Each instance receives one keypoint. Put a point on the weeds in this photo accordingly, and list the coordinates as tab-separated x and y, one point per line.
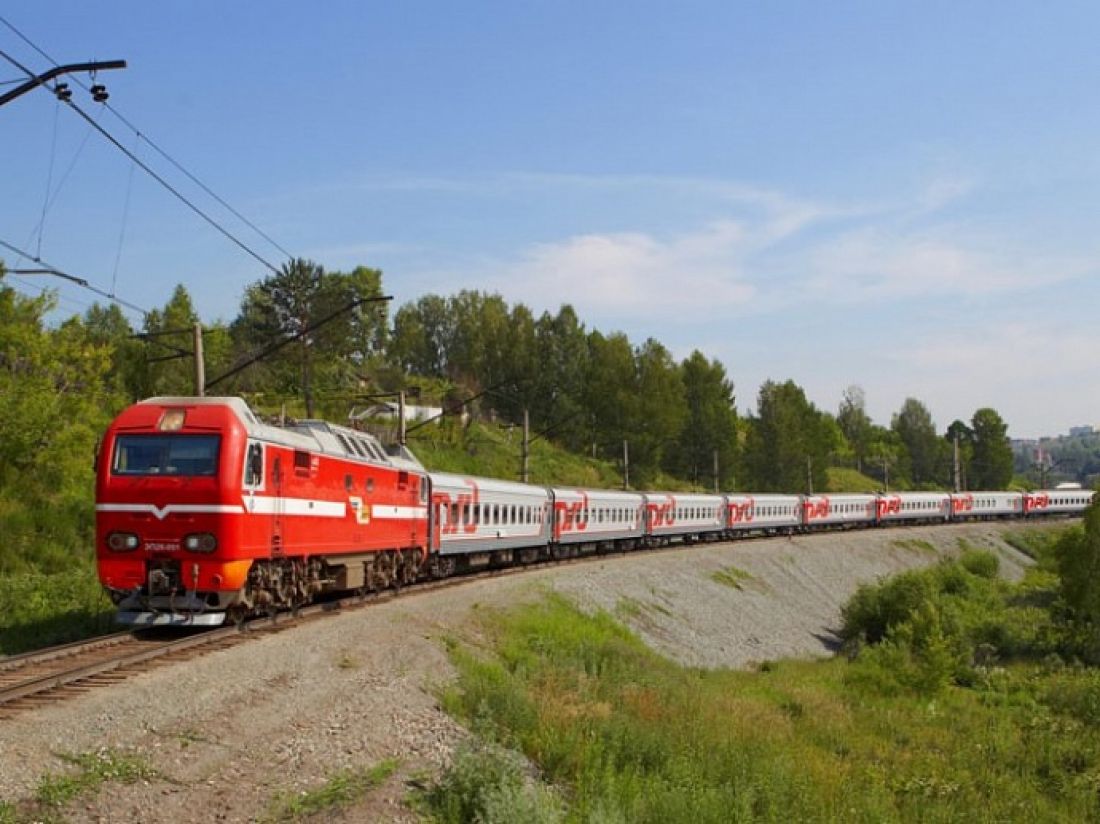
732	577
916	545
342	790
93	770
632	609
490	784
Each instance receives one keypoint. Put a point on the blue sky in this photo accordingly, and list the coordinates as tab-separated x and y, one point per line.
902	196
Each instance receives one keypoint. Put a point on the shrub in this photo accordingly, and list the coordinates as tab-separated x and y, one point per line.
876	608
980	562
490	784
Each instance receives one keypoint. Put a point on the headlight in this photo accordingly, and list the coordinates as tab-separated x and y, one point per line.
122	541
200	542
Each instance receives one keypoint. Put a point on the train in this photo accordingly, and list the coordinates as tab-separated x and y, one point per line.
206	514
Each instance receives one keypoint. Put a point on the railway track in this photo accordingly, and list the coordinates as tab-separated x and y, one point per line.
35	679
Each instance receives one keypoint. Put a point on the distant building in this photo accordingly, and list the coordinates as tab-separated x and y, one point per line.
1081	431
390	409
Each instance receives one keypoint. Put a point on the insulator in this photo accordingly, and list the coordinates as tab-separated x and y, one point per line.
63	92
99	93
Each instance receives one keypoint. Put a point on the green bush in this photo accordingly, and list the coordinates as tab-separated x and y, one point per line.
1076	694
489	784
42	610
876	608
980	562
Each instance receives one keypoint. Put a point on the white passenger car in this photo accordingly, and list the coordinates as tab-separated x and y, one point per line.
914	506
473	515
984	505
596	516
686	515
1057	501
762	513
838	510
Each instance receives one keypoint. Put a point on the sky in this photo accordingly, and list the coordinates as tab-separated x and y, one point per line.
901	196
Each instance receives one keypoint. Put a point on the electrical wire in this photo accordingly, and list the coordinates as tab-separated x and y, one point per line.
155	147
79	281
182	198
49	179
122	228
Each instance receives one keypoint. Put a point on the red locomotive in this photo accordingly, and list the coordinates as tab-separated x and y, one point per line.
204	511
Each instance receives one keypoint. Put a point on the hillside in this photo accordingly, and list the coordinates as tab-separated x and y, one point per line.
495	451
300	711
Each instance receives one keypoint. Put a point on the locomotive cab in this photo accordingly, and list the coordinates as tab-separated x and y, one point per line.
168	481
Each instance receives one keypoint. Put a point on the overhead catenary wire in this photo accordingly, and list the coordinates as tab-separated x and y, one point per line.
144	137
149	171
179	195
122	228
48	269
253	358
49	178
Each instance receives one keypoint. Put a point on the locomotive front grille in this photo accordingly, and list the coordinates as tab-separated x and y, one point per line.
163	577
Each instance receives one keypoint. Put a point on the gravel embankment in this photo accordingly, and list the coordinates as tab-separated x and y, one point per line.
229	731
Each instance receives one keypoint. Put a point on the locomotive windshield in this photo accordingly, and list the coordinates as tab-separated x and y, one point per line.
188	455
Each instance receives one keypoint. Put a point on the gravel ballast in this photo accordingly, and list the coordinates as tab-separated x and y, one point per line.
230	731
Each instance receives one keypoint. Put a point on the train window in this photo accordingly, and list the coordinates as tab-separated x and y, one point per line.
402	479
349	483
185	455
254	465
370	484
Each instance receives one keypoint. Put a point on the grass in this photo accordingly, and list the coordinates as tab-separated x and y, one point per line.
41	610
341	791
916	545
93	770
631	608
614	732
841	479
732	576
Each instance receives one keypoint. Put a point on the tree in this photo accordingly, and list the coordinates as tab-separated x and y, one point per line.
855	423
108	327
168	369
925	451
786	441
610	399
423	332
293	303
561	344
659	409
56	397
958	432
710	424
991	465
